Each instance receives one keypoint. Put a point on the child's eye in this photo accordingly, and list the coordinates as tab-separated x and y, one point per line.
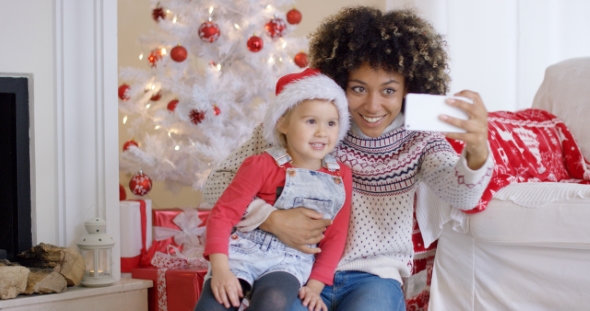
332	123
311	121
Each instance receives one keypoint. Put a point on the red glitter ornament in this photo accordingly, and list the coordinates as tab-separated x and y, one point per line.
155	56
178	53
156	97
140	184
209	32
255	44
275	27
196	116
293	17
158	13
129	143
123	91
216	110
300	60
172	105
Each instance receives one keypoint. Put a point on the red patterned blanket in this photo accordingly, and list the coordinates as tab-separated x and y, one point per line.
530	145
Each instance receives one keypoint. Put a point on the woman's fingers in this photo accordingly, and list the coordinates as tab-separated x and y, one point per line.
297	228
476	127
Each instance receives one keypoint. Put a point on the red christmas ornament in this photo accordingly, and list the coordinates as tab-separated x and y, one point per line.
275	27
216	110
140	184
178	53
156	97
122	91
129	143
255	44
196	116
122	193
300	60
172	105
155	56
158	13
209	32
293	17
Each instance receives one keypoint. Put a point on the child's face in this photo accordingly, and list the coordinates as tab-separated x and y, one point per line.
311	129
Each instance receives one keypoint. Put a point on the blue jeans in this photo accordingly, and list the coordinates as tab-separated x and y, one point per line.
354	290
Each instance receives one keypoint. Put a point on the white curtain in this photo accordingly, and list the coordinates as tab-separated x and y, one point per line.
500	48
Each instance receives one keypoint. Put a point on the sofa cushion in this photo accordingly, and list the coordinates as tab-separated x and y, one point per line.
536	213
565	92
530	145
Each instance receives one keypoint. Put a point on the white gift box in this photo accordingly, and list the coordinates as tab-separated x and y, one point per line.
136	231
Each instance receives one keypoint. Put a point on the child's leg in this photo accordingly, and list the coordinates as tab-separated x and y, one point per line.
207	301
274	291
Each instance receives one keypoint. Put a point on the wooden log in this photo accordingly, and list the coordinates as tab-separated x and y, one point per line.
13	281
45	281
64	260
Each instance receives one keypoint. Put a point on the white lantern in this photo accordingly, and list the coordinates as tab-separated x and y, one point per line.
97	248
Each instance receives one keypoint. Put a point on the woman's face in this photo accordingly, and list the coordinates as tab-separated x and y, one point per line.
374	98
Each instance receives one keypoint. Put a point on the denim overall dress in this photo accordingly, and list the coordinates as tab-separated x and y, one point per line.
256	253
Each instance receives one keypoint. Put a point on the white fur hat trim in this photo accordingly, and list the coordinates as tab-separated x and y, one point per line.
316	86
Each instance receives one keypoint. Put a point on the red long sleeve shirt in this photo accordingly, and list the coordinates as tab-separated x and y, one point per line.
259	176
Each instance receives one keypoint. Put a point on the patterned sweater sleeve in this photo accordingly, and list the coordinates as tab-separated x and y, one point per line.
221	177
449	176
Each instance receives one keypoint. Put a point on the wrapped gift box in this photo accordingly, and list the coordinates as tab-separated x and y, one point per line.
179	227
136	232
174	289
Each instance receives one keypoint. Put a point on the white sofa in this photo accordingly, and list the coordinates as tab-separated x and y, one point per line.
530	249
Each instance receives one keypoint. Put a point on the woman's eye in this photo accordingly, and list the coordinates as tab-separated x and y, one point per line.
358	89
388	91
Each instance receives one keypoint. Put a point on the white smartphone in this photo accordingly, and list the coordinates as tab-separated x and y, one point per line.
422	112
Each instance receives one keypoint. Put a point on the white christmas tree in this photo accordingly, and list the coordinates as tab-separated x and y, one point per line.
211	69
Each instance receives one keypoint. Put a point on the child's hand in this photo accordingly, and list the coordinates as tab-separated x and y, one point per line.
310	296
224	284
226	289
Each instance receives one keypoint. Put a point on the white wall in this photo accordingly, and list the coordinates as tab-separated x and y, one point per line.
69	49
26	33
501	48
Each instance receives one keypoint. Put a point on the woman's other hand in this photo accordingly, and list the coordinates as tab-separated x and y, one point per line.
297	227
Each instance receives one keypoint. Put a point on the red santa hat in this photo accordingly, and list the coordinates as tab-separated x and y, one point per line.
294	88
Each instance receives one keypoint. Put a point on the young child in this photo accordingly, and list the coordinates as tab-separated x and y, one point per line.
305	122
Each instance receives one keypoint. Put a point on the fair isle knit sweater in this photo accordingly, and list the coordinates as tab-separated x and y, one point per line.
386	171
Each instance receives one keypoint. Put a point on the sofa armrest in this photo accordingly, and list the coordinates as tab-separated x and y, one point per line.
543	214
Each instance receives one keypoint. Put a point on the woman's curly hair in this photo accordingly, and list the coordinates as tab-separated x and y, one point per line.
397	40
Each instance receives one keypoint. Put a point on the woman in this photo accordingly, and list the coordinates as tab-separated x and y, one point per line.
377	58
